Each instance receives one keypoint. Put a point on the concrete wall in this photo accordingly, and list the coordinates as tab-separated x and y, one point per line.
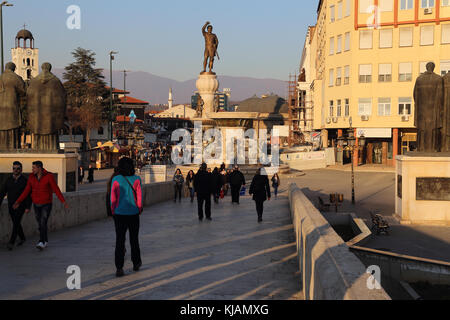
304	160
84	207
329	270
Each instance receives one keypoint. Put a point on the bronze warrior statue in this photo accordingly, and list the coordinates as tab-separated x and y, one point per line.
446	117
46	103
428	116
12	88
211	45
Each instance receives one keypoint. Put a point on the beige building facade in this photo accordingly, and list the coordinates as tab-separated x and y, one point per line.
367	56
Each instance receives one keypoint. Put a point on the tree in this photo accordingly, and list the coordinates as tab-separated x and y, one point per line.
87	95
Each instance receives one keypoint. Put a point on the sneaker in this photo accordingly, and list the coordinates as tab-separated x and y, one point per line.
10	246
40	246
120	273
45	245
137	267
21	242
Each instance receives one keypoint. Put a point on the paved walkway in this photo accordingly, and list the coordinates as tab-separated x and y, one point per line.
231	257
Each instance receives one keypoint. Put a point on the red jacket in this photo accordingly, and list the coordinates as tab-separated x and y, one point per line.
41	190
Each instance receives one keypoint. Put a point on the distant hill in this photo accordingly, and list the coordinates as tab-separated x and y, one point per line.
155	89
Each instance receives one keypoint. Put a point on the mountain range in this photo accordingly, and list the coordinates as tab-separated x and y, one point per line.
155	89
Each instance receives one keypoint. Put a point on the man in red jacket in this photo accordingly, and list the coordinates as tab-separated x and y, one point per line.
41	184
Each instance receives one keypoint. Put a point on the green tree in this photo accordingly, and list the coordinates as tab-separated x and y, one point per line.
87	96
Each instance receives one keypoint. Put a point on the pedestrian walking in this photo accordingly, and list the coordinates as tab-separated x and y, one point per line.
275	184
126	207
237	180
223	181
108	192
13	187
203	189
80	174
91	174
260	190
190	184
216	184
41	184
179	181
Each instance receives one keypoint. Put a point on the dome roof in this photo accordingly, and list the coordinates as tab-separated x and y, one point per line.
271	104
24	34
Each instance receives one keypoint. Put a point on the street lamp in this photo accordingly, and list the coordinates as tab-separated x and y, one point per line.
350	143
6	4
111	58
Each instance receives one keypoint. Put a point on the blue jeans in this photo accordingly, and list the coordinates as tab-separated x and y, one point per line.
42	213
275	190
192	193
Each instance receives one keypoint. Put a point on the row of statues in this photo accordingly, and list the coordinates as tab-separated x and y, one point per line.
45	109
432	111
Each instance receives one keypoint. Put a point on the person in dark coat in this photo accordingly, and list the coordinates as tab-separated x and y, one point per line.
275	184
179	181
260	190
203	186
217	184
13	188
190	184
91	174
237	180
80	174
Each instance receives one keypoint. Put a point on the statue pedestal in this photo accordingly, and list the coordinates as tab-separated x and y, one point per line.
423	189
207	85
64	166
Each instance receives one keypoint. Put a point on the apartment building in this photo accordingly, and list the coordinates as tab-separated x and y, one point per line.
368	55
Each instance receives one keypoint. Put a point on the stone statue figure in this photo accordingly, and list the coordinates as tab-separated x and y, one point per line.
211	45
199	108
12	88
428	97
46	105
446	118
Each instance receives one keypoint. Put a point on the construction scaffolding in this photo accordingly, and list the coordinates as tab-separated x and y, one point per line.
295	132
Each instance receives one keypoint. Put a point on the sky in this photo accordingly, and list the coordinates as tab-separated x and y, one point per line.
257	38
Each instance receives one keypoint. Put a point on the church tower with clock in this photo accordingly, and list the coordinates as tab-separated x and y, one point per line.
25	56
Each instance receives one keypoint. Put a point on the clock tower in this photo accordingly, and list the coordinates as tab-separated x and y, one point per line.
25	56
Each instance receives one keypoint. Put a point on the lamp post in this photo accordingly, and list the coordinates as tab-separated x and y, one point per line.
111	58
350	142
6	4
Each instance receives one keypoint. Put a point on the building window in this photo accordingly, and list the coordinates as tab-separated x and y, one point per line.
332	14
365	39
404	106
405	71
332	46
426	35
384	106
331	82
423	66
445	3
348	7
347	108
365	6
445	33
385	72
339	108
347	42
445	67
386	38
406	4
346	74
427	4
331	108
406	37
365	73
338	76
339	44
339	10
100	131
386	5
365	107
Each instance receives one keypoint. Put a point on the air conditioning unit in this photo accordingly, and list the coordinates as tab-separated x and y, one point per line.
405	118
428	11
328	120
365	118
335	119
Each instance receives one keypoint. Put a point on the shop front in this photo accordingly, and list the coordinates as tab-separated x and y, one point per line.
380	146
